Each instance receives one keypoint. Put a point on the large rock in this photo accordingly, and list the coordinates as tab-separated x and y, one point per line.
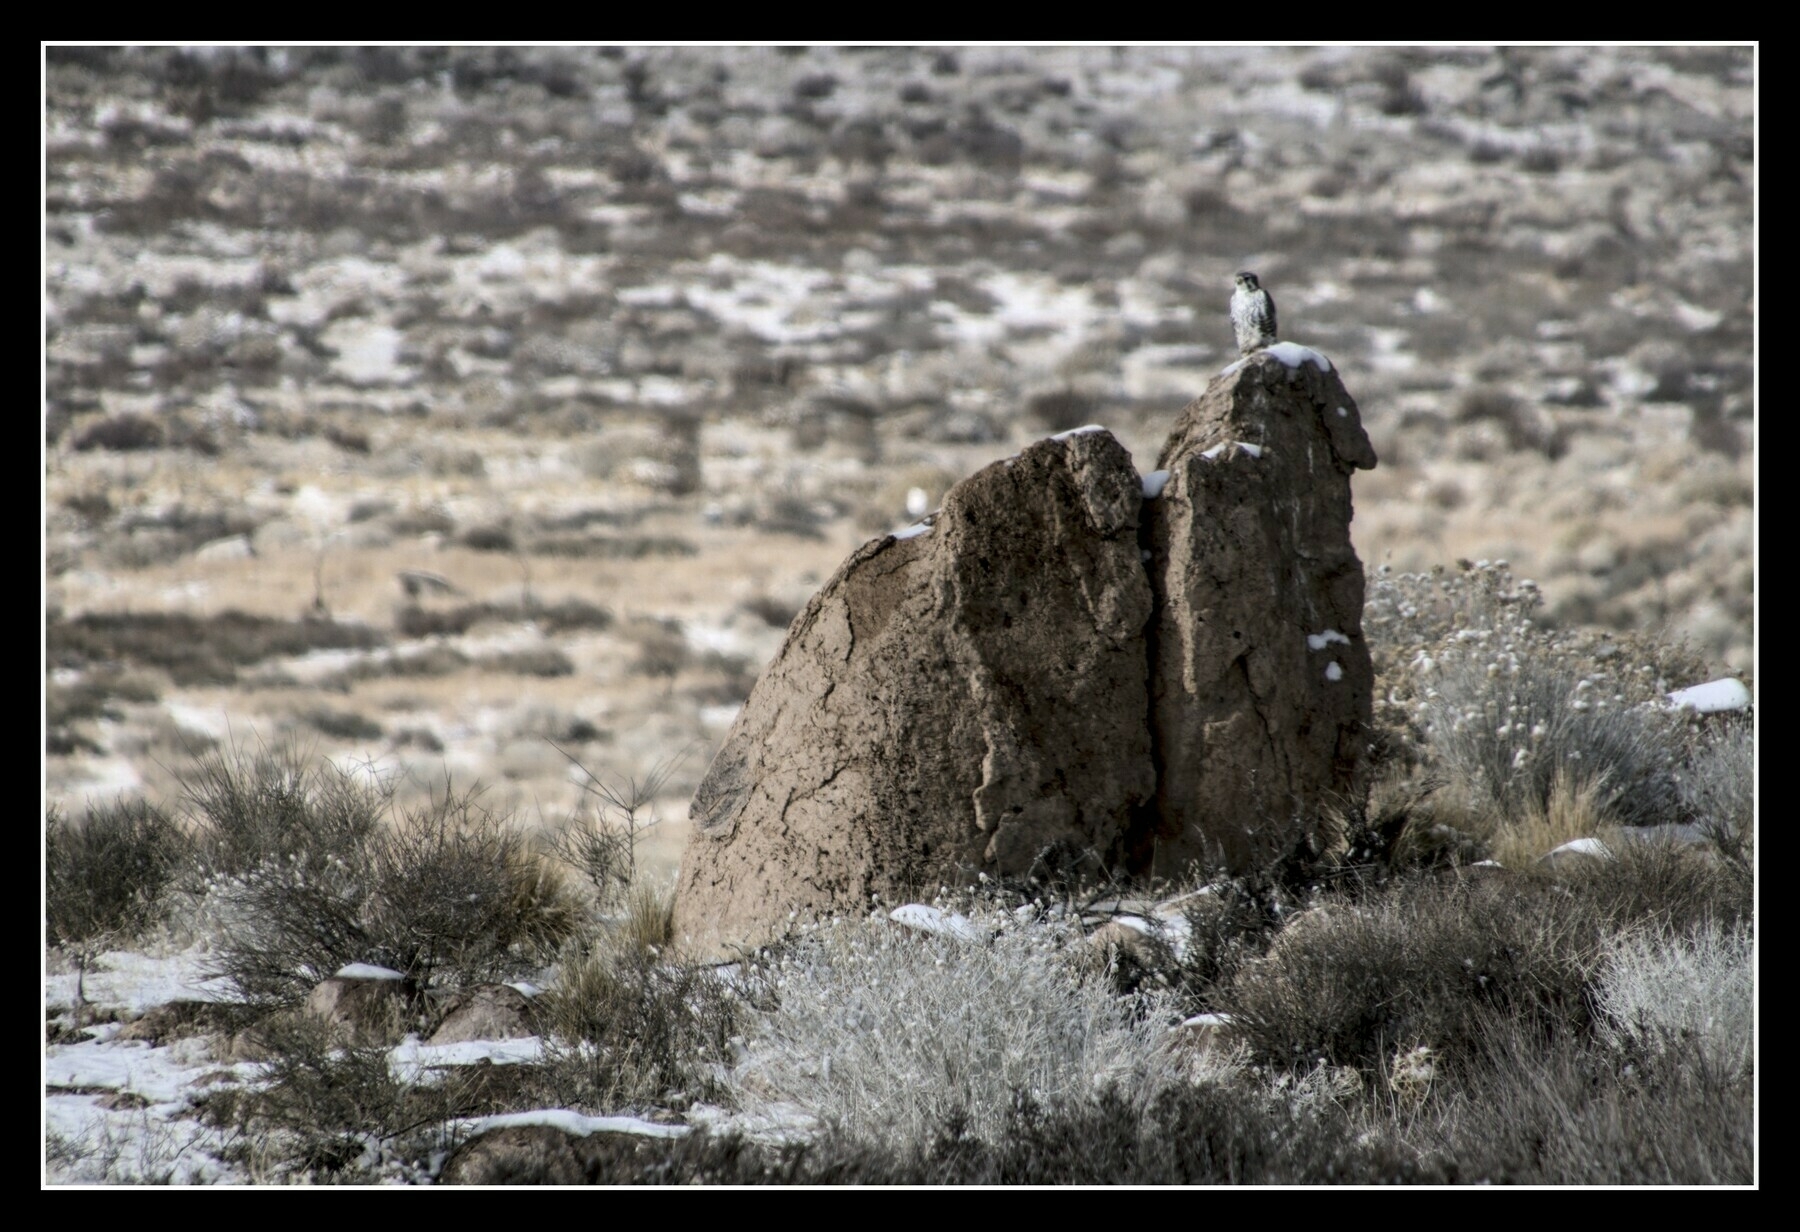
486	1012
364	1008
967	697
1261	682
1069	664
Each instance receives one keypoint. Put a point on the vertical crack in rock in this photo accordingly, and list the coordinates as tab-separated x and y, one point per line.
1015	682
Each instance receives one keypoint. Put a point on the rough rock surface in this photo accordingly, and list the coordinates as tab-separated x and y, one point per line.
1070	661
367	1011
1261	681
485	1012
968	697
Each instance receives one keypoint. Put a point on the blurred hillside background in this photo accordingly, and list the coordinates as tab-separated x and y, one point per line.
472	413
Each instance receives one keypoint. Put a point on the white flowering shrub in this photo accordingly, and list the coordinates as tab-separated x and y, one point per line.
1693	996
885	1032
1515	712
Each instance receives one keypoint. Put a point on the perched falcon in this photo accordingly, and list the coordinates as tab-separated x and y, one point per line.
1252	314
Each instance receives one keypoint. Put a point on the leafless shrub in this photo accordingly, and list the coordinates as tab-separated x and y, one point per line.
602	846
327	1110
305	872
105	877
195	649
542	661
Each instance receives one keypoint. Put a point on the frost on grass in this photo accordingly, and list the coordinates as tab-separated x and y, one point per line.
883	1032
1689	996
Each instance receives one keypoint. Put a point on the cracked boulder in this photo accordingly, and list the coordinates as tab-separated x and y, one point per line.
1261	682
970	695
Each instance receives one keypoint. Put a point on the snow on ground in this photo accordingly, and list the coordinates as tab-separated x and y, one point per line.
1713	696
89	1144
775	1124
936	920
573	1123
415	1062
133	983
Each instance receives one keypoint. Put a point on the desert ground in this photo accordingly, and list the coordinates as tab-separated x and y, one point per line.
484	416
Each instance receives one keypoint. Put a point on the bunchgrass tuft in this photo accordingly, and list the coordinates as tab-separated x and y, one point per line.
628	1026
1688	998
1719	790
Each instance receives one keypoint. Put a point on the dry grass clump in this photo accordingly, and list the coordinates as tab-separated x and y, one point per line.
1417	962
1572	811
1718	786
1423	958
1210	1134
628	1025
1526	725
1531	1110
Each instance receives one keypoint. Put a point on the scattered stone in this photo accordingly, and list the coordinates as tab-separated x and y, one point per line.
486	1012
921	918
1204	1033
1130	950
232	547
367	1009
1577	851
1713	697
174	1020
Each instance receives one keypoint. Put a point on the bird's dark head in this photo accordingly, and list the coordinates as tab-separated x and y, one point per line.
1247	280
